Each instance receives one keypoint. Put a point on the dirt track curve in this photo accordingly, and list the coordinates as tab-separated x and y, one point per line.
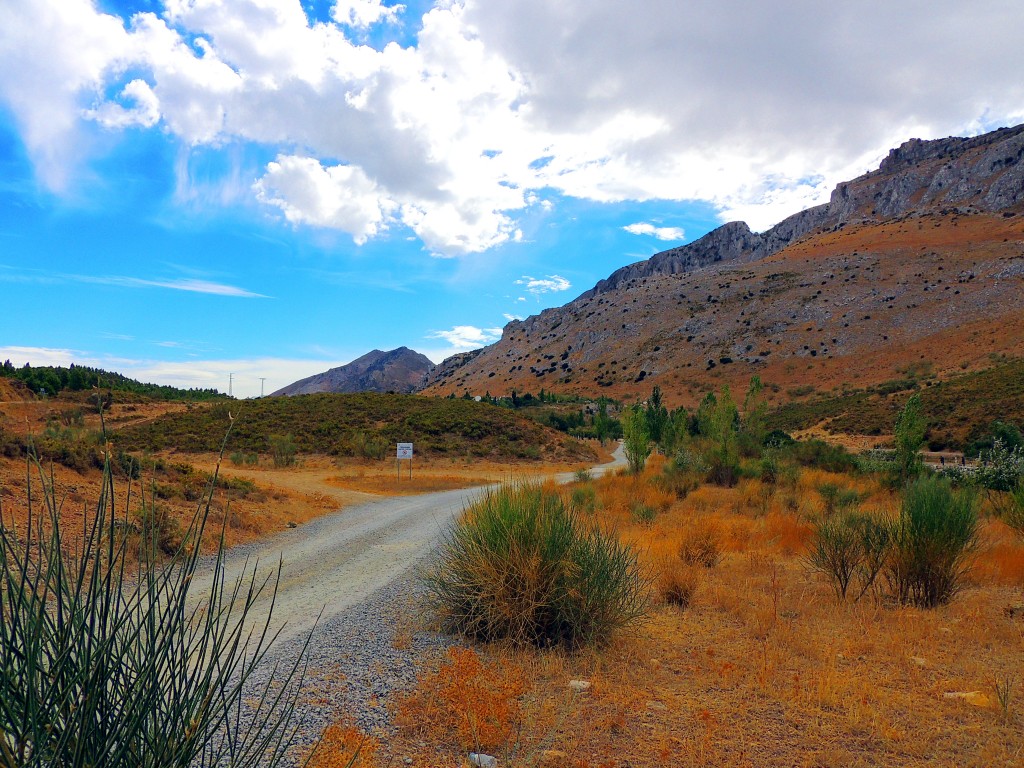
336	562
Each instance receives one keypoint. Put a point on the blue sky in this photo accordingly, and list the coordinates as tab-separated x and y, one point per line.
192	188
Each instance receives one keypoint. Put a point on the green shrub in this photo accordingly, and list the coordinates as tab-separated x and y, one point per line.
876	461
768	468
829	493
365	445
933	540
644	513
818	453
835	551
283	449
237	458
1002	467
107	664
1013	515
128	465
159	530
723	468
520	565
777	439
583	476
583	498
677	481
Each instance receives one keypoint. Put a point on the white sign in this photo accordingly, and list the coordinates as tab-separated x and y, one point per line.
405	450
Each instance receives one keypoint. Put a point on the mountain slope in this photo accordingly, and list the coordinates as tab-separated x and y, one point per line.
920	263
401	370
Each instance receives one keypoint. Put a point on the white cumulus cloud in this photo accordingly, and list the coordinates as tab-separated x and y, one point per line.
463	338
339	196
547	284
364	13
756	108
661	233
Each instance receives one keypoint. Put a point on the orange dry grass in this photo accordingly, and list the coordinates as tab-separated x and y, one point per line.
269	510
676	581
619	495
344	746
465	704
764	667
1001	560
392	485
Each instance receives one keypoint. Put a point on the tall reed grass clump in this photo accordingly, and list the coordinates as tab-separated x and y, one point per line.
932	542
108	661
521	565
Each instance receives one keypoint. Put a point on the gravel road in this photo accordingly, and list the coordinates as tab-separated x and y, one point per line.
356	571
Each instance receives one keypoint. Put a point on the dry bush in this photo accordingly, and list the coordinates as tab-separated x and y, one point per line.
676	582
465	703
701	544
344	746
787	533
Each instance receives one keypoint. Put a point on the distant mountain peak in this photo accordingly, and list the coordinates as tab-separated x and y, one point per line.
398	370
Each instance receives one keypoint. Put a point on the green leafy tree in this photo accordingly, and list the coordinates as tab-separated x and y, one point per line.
656	415
755	413
722	432
705	413
637	442
675	431
909	437
602	422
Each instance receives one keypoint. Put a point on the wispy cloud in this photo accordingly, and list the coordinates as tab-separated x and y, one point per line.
465	337
662	233
510	317
191	285
546	284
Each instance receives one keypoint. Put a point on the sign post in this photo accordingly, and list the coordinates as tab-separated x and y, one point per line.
404	453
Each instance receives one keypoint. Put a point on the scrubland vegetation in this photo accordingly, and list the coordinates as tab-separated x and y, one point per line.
806	607
363	425
958	411
733	598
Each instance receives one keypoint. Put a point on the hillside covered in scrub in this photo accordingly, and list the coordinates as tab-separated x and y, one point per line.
959	411
366	424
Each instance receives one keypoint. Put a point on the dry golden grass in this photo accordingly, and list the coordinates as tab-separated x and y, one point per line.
763	666
465	704
344	746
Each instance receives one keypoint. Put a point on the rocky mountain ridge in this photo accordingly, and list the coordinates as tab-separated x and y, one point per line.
399	370
922	252
981	173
